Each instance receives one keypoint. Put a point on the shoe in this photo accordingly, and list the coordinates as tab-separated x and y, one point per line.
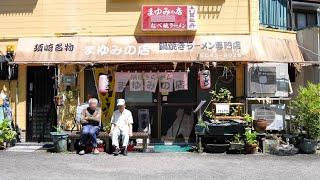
125	151
82	152
116	152
96	151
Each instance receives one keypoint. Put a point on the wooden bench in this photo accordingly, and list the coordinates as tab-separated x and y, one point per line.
74	136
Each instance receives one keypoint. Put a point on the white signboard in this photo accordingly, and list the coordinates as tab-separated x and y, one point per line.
180	81
166	82
222	109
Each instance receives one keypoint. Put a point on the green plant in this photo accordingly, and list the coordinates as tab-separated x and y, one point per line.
58	129
251	137
209	114
237	139
221	96
307	109
247	118
6	133
201	123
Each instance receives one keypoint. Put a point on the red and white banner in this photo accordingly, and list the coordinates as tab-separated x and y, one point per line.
169	18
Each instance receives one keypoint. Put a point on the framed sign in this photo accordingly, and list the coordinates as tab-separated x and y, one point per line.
222	109
168	18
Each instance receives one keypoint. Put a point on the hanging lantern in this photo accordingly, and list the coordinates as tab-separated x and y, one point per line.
103	84
205	79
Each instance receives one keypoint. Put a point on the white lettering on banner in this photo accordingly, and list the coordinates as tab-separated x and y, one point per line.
89	50
102	50
136	82
180	81
115	50
166	82
121	80
150	81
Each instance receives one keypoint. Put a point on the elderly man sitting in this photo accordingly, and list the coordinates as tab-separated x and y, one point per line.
91	118
121	124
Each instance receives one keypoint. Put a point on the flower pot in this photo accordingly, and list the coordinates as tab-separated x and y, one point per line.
308	146
260	125
251	148
59	141
200	130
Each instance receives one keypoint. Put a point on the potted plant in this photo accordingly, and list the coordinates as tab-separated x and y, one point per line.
248	119
237	143
307	109
59	139
251	140
200	128
7	135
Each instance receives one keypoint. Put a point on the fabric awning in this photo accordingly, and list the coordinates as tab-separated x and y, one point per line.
119	49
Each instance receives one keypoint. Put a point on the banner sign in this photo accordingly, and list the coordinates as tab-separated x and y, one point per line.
180	81
165	82
117	49
169	18
121	79
150	81
136	82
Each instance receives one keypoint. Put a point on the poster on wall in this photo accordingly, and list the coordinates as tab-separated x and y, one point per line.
180	81
150	81
136	82
121	79
166	82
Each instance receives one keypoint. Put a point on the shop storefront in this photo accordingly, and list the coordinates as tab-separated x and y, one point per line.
158	76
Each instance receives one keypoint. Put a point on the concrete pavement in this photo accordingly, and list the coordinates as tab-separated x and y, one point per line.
44	165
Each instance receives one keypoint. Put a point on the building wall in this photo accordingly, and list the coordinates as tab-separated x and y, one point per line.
111	17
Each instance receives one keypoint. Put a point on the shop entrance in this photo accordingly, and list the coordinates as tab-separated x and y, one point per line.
41	113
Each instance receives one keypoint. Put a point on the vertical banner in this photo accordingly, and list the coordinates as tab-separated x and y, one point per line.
180	81
166	82
136	82
107	100
205	79
121	79
150	81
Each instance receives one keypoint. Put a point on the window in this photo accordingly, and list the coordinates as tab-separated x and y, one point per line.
305	19
274	14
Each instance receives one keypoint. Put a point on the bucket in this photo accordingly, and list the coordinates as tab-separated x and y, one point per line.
59	141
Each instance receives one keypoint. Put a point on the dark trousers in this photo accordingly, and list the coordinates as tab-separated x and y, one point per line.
89	132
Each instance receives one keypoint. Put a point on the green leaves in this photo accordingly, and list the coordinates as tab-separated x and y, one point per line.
222	96
251	137
6	133
307	109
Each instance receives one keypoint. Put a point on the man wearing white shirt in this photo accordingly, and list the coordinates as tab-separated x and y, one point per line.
121	124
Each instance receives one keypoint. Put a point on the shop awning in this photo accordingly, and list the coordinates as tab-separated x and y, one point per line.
118	49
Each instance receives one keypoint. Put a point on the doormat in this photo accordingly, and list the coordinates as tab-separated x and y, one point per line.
25	147
172	148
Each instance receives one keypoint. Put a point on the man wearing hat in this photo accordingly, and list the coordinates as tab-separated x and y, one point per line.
121	124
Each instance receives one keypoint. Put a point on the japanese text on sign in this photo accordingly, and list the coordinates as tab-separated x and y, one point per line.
50	47
169	17
116	50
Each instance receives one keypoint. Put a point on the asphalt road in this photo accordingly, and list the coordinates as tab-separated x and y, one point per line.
43	165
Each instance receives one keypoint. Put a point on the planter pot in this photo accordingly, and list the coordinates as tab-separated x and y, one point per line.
59	141
236	146
200	130
251	148
260	125
308	146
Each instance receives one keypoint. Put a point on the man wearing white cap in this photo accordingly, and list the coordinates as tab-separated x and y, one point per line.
121	124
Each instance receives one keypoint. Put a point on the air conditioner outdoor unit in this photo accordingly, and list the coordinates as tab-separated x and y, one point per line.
267	80
273	113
